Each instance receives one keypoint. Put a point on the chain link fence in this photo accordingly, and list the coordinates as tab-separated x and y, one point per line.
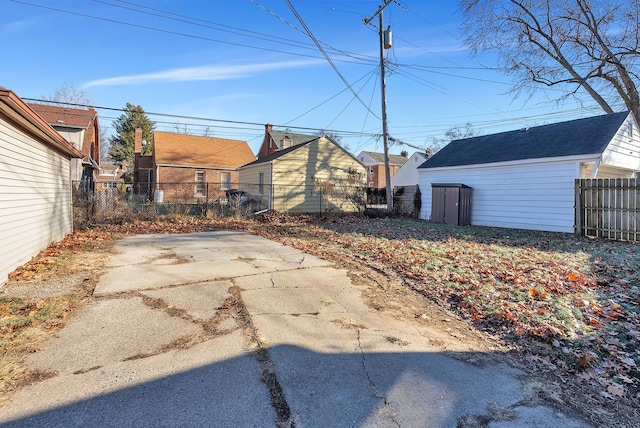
117	202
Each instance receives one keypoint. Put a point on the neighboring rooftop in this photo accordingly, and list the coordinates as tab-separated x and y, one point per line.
294	138
393	159
572	138
192	150
65	116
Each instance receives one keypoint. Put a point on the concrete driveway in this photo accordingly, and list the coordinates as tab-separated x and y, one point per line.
226	329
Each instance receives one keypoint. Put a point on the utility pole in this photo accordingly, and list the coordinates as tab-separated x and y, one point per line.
383	90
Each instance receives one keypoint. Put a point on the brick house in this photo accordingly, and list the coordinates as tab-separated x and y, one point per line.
274	141
188	166
374	162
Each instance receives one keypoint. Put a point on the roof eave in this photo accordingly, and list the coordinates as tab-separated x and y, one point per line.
27	116
555	159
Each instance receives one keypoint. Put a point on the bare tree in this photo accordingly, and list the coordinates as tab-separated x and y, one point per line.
593	45
334	136
104	145
455	133
207	131
181	128
70	95
184	128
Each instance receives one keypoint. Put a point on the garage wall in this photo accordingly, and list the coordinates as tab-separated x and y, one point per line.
35	197
535	196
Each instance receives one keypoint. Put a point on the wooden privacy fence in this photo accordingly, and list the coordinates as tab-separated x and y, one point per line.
608	208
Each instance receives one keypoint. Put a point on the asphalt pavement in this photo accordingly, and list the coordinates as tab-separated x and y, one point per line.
227	329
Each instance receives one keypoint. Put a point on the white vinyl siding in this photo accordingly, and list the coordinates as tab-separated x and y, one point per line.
624	149
35	197
407	175
536	196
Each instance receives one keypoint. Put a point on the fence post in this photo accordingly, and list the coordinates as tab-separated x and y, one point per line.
206	199
578	208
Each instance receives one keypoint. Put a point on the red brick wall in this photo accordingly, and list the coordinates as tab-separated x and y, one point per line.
180	182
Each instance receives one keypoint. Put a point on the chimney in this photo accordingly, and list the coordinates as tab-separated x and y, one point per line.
124	165
404	154
137	148
268	127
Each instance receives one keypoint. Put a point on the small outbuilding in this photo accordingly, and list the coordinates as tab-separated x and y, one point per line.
525	179
35	196
316	176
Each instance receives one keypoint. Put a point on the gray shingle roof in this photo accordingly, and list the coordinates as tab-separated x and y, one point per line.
393	159
575	137
295	138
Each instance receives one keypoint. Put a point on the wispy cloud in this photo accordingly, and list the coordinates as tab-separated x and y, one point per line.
210	72
18	27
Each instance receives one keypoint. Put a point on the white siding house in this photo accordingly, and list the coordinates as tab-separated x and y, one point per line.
407	175
525	179
35	183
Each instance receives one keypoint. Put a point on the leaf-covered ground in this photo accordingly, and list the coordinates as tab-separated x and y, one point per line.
566	306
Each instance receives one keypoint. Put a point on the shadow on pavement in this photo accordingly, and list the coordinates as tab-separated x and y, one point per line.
322	390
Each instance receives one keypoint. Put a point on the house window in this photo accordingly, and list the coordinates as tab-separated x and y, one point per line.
199	188
225	180
261	183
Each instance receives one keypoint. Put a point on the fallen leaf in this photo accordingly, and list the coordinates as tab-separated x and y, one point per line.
615	390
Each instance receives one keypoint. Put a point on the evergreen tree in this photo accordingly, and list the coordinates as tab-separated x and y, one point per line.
122	143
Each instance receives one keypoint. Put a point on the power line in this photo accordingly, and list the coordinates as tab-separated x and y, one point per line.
208	24
159	30
186	117
310	34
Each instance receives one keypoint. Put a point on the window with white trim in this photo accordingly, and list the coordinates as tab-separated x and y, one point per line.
199	180
225	180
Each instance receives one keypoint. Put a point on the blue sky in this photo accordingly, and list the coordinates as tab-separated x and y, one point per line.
244	63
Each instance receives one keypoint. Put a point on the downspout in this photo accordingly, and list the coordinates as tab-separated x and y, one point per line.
270	184
596	165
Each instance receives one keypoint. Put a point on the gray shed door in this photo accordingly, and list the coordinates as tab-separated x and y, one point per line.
451	205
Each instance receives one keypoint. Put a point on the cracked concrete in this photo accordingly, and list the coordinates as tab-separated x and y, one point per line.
229	329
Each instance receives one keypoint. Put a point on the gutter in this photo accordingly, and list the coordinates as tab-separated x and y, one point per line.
575	158
169	165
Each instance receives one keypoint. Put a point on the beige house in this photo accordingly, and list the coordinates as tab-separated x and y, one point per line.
35	196
316	176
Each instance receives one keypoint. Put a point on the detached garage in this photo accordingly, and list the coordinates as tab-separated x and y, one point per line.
35	183
525	179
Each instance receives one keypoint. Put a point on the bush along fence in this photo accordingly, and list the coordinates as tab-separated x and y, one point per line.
116	202
608	208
